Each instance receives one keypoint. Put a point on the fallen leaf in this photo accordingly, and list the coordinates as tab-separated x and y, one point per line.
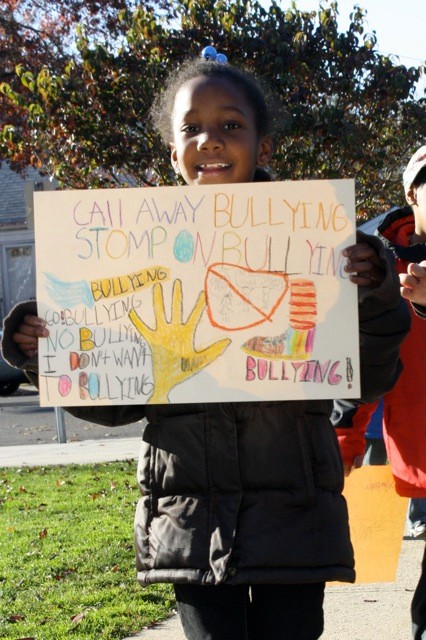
78	618
65	573
16	618
43	533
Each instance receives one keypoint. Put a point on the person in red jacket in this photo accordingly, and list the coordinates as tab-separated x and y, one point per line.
413	288
403	231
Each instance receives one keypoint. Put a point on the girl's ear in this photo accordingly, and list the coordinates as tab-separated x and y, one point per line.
410	196
173	157
265	150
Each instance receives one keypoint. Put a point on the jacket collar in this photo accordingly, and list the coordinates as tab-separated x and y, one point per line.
395	231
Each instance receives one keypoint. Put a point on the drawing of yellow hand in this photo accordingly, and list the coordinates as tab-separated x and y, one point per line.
174	357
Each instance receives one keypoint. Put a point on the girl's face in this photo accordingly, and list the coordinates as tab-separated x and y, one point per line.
215	137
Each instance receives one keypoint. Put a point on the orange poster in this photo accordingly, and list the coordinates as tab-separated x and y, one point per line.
377	518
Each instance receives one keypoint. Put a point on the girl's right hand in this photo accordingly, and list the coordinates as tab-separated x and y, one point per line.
28	334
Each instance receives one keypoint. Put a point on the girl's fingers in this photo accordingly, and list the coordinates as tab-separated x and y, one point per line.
365	274
28	334
32	326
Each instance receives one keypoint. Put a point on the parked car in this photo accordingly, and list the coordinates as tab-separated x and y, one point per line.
10	378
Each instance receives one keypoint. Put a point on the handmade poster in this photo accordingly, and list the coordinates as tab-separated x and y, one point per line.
377	520
209	293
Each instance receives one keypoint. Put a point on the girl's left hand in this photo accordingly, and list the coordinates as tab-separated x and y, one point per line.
364	265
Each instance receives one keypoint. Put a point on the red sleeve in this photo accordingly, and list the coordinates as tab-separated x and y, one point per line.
352	438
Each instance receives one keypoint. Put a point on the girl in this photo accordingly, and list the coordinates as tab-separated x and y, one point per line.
241	505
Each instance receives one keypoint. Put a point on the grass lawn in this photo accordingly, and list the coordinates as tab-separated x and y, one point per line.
66	555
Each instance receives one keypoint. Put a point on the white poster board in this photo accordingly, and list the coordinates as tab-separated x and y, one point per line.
208	293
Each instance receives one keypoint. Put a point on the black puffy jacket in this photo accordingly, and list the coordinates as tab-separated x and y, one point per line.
249	492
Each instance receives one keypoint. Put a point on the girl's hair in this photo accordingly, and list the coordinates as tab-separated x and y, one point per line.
162	109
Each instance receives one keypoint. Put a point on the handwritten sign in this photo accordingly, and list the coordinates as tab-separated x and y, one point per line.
207	294
377	519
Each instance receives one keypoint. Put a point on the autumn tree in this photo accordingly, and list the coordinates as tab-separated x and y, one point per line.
41	34
344	105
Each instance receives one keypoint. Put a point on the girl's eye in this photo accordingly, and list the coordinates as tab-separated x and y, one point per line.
189	128
231	126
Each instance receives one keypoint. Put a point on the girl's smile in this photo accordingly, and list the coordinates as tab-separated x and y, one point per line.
215	137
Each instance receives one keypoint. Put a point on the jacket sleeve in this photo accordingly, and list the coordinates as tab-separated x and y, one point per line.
384	322
109	416
11	352
353	420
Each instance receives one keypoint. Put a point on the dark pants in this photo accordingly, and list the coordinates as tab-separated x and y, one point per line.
375	451
418	605
259	612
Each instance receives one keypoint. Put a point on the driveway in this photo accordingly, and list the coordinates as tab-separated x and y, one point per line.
24	422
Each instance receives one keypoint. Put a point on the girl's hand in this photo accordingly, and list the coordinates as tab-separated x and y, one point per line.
28	334
413	283
364	265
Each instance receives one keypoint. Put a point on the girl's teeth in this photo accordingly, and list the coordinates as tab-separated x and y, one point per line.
218	165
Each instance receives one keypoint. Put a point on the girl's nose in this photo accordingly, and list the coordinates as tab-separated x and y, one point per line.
210	139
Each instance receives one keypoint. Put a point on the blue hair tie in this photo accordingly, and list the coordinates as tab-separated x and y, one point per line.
210	54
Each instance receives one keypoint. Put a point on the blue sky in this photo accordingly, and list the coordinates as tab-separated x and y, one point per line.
400	25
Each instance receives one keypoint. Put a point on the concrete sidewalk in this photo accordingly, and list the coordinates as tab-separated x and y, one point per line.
80	452
379	611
